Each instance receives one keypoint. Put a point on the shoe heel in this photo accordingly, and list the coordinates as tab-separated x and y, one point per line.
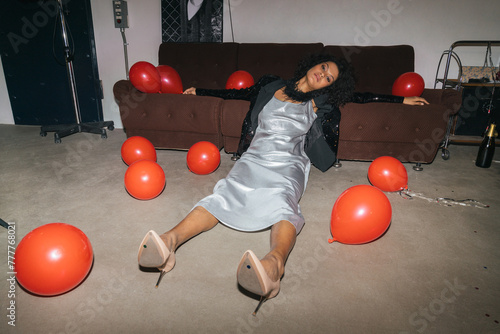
162	273
262	300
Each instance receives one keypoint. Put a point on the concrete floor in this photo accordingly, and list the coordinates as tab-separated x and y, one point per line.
436	270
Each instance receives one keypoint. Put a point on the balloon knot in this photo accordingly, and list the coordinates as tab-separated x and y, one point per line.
331	240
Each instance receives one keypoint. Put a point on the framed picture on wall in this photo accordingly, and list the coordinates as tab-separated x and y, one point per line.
192	20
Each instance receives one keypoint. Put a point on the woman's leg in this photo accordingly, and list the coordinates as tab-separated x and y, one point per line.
197	221
283	236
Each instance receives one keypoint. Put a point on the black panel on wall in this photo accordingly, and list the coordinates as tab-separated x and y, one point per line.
33	59
478	110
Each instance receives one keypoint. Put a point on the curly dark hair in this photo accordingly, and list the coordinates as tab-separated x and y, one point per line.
339	93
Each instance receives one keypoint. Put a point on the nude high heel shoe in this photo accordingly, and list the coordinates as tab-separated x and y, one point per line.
153	253
252	276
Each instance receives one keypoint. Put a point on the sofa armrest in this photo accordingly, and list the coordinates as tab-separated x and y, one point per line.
122	87
450	98
173	121
408	133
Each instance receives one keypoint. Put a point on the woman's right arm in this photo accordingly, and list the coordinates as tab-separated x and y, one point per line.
371	97
233	94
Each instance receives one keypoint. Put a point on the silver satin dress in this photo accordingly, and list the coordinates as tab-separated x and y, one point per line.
266	183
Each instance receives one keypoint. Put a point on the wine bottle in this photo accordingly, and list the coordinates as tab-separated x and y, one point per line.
487	148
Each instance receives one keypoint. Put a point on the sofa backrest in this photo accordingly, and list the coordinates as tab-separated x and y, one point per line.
204	65
260	59
209	65
376	67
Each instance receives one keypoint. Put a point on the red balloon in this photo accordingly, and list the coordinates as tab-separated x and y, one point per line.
388	174
137	148
361	214
145	77
408	84
203	158
144	179
170	80
239	80
53	259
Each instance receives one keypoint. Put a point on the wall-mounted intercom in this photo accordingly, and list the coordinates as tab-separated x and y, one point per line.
120	13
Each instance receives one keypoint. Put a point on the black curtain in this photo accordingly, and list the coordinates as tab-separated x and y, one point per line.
33	59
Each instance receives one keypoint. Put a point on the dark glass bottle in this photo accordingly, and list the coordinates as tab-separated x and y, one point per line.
487	148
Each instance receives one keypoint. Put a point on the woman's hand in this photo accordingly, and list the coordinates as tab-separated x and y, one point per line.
415	101
190	91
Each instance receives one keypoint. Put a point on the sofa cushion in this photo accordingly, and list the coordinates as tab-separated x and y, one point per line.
206	65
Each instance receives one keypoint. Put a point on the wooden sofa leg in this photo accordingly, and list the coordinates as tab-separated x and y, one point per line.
337	164
418	167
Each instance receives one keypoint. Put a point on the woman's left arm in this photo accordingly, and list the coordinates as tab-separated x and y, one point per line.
371	97
415	101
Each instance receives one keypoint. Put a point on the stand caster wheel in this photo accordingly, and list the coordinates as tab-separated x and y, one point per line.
57	140
445	154
111	128
104	136
43	134
337	164
418	167
235	157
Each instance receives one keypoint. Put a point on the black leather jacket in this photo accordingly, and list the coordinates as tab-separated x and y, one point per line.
322	139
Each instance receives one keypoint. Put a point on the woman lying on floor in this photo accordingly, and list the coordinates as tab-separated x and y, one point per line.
291	124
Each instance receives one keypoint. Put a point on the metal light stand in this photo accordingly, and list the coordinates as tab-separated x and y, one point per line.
63	130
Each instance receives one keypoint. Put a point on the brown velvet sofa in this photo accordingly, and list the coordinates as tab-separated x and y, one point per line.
367	131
